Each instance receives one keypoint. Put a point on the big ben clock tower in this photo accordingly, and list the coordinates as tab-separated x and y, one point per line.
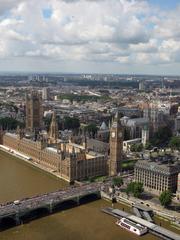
116	146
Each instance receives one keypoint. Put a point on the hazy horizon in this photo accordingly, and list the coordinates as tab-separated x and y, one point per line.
83	36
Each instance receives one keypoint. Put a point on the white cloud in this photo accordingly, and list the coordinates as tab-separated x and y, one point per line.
117	31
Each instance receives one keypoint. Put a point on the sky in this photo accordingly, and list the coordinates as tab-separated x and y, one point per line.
90	36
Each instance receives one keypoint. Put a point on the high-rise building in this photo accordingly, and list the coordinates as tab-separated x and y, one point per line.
33	111
141	85
155	116
45	93
116	146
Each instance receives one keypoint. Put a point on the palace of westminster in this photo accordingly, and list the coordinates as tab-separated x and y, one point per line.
79	161
71	160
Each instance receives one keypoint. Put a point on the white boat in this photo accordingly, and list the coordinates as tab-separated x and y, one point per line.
132	226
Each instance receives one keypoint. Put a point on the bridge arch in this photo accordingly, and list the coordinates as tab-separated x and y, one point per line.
89	198
7	222
34	214
66	204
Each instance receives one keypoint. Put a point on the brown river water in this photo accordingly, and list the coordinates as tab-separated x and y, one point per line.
85	222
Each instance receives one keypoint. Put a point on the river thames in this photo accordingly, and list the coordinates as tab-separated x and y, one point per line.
86	222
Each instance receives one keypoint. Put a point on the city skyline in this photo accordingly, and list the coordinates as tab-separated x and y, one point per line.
82	36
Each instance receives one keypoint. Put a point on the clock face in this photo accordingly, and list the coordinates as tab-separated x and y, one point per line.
120	134
113	134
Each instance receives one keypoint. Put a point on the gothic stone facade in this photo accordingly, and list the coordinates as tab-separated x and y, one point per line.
33	111
157	177
70	160
116	147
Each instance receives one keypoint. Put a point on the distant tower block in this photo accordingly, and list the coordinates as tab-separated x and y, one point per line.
53	131
141	85
45	93
33	111
116	146
145	135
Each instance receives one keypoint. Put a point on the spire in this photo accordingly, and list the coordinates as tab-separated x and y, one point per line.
85	141
109	124
19	132
53	131
116	121
54	116
73	154
103	126
116	118
17	129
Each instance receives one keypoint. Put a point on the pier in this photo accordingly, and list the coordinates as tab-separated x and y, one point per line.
142	211
152	228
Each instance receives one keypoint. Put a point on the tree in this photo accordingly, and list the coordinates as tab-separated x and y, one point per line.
165	198
91	129
148	146
117	181
8	123
71	123
136	188
137	147
175	143
162	136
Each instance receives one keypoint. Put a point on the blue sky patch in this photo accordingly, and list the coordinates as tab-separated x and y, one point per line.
47	13
165	4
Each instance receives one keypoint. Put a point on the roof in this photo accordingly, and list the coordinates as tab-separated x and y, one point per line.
52	149
136	122
141	221
76	145
103	126
161	168
133	140
142	207
97	146
11	135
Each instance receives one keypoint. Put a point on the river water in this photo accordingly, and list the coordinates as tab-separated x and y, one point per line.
85	222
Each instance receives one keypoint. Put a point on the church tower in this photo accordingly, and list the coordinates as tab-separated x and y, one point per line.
53	131
116	146
34	112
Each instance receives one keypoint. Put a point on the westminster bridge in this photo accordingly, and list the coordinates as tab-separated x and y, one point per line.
27	209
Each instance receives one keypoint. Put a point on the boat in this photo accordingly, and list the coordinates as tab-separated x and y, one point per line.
132	226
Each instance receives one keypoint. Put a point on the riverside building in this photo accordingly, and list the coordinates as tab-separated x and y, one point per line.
157	176
70	160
